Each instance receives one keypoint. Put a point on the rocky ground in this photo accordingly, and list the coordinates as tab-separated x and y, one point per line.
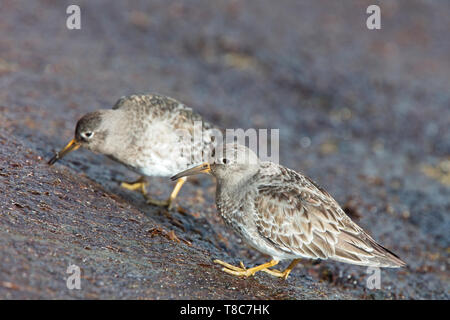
364	113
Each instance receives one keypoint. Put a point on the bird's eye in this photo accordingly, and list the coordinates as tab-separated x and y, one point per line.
224	161
88	134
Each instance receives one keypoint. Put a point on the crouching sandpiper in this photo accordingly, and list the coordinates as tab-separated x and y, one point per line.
144	133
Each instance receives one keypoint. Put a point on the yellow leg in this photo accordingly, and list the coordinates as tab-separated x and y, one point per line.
175	190
168	203
283	274
242	271
139	184
229	266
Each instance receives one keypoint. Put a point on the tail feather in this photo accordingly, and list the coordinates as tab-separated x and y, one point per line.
386	256
361	249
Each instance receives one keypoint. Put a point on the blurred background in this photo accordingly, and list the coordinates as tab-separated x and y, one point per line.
365	113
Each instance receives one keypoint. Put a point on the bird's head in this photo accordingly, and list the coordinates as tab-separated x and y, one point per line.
230	162
90	133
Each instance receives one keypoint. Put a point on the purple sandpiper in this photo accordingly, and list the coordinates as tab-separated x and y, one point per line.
143	133
285	215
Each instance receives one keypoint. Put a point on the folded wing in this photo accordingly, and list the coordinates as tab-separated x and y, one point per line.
300	218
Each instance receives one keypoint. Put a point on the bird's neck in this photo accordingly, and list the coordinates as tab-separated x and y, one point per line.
114	124
229	187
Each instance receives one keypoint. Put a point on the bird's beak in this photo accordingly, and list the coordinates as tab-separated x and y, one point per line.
71	146
205	168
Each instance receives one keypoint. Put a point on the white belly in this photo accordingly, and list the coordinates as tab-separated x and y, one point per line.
163	152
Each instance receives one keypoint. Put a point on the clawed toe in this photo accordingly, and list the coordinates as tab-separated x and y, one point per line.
242	271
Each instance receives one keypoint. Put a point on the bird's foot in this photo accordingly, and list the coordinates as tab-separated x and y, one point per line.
237	271
231	267
169	202
282	274
242	271
277	273
160	203
140	185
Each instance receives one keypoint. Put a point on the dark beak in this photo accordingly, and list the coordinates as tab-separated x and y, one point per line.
71	146
205	168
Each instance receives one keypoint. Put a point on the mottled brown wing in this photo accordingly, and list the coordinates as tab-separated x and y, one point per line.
303	220
295	222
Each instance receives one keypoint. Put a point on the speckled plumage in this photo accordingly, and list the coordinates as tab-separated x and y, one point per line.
144	132
286	215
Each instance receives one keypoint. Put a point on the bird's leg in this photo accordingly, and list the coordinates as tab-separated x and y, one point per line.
283	274
175	191
168	203
139	184
242	271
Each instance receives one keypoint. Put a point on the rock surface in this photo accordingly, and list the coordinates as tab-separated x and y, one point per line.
364	113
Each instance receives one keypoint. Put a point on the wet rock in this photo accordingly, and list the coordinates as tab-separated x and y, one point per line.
364	113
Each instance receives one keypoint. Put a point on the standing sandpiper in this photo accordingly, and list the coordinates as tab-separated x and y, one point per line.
144	132
285	215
